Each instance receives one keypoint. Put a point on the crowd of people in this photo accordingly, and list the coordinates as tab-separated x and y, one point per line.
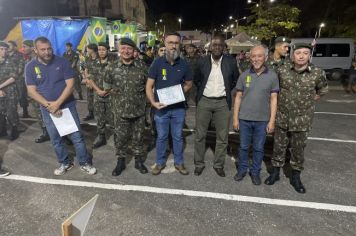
259	92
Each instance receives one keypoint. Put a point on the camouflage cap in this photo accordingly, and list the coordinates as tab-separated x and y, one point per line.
102	44
282	39
301	45
128	41
4	44
28	43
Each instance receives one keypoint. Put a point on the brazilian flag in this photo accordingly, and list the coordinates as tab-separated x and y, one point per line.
97	30
151	38
115	27
128	31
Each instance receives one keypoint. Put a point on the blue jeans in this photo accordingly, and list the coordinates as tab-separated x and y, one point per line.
172	120
58	144
252	132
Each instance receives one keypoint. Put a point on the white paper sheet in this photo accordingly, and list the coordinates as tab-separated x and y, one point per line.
171	95
65	124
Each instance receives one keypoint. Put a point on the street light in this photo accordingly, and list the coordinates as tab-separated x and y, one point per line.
237	22
321	26
180	23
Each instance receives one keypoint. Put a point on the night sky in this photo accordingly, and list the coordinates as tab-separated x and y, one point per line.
195	13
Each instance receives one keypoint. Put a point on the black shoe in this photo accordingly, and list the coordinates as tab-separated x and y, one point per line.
44	136
274	176
256	180
239	176
4	173
220	172
25	113
14	133
198	170
140	166
296	182
99	141
3	133
90	116
120	167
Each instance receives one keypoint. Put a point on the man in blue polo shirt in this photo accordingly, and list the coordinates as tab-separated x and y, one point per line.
165	72
50	82
255	111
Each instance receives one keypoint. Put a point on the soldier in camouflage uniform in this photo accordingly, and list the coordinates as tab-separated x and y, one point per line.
17	58
279	57
28	55
8	93
300	85
102	103
73	57
245	64
192	59
126	79
90	61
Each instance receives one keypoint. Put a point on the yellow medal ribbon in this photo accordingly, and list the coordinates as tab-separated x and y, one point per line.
164	74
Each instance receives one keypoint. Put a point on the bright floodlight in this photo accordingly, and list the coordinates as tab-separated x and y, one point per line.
249	1
180	20
322	25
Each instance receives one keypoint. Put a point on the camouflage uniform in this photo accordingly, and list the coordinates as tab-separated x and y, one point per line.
273	64
244	65
17	59
73	57
191	94
295	111
8	103
127	84
102	105
89	65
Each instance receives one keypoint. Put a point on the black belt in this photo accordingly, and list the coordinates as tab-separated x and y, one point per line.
216	98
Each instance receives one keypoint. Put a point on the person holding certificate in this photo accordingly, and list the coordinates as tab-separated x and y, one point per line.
50	82
215	77
169	78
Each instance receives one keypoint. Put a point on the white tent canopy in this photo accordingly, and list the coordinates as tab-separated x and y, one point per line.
241	42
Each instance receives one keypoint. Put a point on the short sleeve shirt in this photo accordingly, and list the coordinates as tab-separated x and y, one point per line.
256	89
166	75
50	79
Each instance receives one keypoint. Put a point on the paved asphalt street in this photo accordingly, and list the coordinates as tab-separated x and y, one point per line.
172	204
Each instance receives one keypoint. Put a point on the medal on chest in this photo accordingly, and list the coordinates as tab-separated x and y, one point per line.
248	81
164	74
38	72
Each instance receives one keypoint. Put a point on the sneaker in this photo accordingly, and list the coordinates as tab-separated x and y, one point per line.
89	169
63	168
4	173
157	169
181	169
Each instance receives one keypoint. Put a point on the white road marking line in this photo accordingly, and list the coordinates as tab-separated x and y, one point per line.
335	113
332	140
190	193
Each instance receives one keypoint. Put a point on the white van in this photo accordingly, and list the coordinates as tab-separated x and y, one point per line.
334	55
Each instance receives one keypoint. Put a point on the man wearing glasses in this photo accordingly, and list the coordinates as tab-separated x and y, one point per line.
215	77
168	71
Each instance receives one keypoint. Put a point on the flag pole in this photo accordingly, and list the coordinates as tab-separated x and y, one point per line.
313	45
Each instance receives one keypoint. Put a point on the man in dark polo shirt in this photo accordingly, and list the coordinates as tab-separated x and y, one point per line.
255	111
50	82
168	71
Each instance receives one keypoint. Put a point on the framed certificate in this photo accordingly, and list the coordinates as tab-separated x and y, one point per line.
171	95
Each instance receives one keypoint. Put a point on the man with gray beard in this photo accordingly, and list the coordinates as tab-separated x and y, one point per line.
167	71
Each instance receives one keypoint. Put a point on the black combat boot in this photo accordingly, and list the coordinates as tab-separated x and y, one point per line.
274	176
43	137
120	167
296	182
90	116
99	141
25	113
14	133
140	166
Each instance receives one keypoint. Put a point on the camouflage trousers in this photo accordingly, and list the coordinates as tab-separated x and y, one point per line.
8	110
127	129
78	84
103	113
37	110
90	99
297	142
22	92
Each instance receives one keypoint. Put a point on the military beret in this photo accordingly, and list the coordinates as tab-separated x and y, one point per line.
282	39
302	45
128	41
28	43
69	44
4	44
102	44
14	44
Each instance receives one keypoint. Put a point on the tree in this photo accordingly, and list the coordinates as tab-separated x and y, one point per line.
267	23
